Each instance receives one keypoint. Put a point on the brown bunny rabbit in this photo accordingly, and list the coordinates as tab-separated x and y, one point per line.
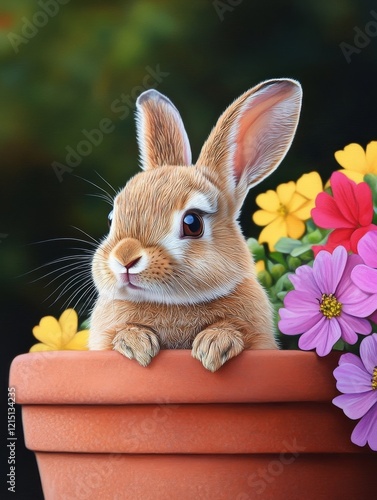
174	270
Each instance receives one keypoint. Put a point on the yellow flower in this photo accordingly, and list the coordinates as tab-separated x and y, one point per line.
284	210
59	335
358	162
260	266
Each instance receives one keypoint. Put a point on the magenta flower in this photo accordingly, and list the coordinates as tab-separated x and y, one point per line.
349	212
365	275
326	305
357	379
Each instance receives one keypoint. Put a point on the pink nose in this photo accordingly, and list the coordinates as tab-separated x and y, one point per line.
132	263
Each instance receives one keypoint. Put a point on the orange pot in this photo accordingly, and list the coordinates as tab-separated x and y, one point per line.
263	426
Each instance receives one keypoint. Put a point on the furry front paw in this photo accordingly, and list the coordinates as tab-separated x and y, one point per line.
137	342
214	346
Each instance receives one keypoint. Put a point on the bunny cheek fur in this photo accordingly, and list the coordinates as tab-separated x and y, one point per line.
157	286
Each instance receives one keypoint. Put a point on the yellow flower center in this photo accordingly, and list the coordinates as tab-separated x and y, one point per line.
282	210
374	379
329	306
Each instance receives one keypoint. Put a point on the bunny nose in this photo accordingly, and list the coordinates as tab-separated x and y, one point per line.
132	263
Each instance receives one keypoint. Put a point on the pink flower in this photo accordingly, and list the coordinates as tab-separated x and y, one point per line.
365	275
349	212
326	305
357	379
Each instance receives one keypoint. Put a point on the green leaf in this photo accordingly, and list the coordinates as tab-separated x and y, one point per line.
281	295
256	249
278	257
371	180
296	252
286	245
339	346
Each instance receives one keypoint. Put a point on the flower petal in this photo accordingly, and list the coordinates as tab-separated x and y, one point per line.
40	347
273	232
364	204
305	211
367	248
328	269
365	278
79	341
295	227
371	157
49	332
68	322
285	192
296	202
294	323
366	430
368	353
353	175
303	280
352	379
356	405
322	336
356	325
339	237
348	334
268	201
309	185
345	195
262	217
328	215
352	157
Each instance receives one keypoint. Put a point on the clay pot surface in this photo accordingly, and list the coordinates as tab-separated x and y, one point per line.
263	426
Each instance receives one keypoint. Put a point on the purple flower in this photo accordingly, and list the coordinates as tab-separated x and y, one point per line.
326	305
365	275
357	379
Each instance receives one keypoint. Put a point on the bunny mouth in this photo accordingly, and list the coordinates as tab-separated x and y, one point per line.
125	279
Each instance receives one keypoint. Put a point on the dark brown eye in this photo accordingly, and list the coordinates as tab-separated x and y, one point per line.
192	225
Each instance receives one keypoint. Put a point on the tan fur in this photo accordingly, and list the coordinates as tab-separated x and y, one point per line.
186	292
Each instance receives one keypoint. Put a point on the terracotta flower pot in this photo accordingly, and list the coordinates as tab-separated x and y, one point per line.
263	426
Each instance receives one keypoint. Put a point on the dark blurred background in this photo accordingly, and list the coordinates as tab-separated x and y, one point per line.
65	68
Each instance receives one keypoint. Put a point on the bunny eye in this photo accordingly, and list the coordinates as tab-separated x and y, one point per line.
110	217
192	225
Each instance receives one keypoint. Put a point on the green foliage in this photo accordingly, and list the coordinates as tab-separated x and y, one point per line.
289	254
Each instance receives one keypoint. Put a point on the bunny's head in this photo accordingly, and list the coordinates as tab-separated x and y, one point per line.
174	236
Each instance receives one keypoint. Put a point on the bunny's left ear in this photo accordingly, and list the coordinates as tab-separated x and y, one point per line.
161	135
252	136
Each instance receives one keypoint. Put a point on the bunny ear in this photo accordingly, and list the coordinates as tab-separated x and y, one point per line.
161	135
253	135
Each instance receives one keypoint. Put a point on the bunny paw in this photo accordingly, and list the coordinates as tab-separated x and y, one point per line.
214	346
137	342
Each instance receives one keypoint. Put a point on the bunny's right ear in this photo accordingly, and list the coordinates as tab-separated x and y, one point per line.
161	135
252	136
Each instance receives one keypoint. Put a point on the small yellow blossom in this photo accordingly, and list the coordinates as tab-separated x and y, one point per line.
260	266
60	335
357	162
285	210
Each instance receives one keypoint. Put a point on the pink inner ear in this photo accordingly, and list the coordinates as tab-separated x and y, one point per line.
258	132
